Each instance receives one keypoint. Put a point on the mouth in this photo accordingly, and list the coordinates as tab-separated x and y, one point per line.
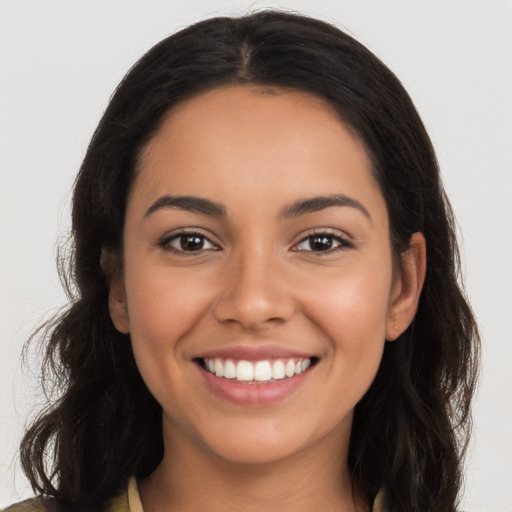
264	371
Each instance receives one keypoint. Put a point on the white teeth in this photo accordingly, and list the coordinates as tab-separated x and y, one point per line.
258	371
262	371
219	368
244	371
290	368
229	369
278	370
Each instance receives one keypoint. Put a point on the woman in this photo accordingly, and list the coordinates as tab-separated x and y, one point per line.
266	308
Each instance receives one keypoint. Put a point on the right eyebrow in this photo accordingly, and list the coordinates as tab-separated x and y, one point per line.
188	203
315	204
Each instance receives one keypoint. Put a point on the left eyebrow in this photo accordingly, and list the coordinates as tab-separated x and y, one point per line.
188	203
318	203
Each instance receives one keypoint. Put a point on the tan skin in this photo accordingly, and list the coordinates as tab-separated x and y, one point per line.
322	281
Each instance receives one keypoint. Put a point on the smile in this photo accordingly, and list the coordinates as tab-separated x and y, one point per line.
257	372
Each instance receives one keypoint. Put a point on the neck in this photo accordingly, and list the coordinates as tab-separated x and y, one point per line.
190	478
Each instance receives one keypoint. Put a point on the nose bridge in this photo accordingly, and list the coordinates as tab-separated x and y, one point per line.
254	292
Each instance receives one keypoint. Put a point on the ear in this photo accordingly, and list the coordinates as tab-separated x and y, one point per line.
407	287
112	267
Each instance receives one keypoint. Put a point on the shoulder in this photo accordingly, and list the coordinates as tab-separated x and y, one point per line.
126	501
379	502
32	505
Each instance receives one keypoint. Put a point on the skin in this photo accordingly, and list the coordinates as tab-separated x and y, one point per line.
255	281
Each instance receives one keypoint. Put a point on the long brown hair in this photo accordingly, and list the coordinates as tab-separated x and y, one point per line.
410	429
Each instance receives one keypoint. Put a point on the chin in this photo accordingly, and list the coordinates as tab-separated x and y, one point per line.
266	441
256	453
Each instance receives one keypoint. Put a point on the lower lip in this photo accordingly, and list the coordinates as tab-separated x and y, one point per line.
255	393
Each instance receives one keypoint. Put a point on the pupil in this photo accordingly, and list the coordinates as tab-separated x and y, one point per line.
321	243
191	242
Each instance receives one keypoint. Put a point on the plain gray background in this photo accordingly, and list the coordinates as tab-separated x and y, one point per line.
60	61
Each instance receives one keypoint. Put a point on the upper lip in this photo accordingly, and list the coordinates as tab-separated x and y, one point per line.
253	353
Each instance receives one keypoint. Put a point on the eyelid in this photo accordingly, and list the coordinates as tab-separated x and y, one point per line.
164	241
344	240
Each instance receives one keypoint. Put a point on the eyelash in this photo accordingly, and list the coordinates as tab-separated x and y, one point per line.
342	243
165	242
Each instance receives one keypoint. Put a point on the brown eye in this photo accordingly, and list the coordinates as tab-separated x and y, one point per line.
187	242
321	243
191	242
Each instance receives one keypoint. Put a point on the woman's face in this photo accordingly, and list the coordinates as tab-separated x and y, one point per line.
256	243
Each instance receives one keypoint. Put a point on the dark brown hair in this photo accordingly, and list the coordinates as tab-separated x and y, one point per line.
410	429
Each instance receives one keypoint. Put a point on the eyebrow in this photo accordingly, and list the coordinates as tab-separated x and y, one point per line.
296	209
188	203
315	204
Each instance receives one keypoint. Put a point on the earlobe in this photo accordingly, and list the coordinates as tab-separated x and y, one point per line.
407	290
117	303
118	307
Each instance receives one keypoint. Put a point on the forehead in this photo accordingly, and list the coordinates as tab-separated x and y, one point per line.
223	109
254	141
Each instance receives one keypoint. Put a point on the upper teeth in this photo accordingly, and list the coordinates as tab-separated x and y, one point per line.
261	371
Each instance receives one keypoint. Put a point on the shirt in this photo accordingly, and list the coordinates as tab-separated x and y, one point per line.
127	501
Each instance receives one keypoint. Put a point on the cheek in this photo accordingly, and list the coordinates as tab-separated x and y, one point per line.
352	302
350	309
163	307
161	301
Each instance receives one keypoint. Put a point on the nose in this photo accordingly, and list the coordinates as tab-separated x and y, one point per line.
254	294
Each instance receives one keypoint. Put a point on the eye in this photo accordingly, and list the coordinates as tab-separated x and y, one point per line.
187	242
322	243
